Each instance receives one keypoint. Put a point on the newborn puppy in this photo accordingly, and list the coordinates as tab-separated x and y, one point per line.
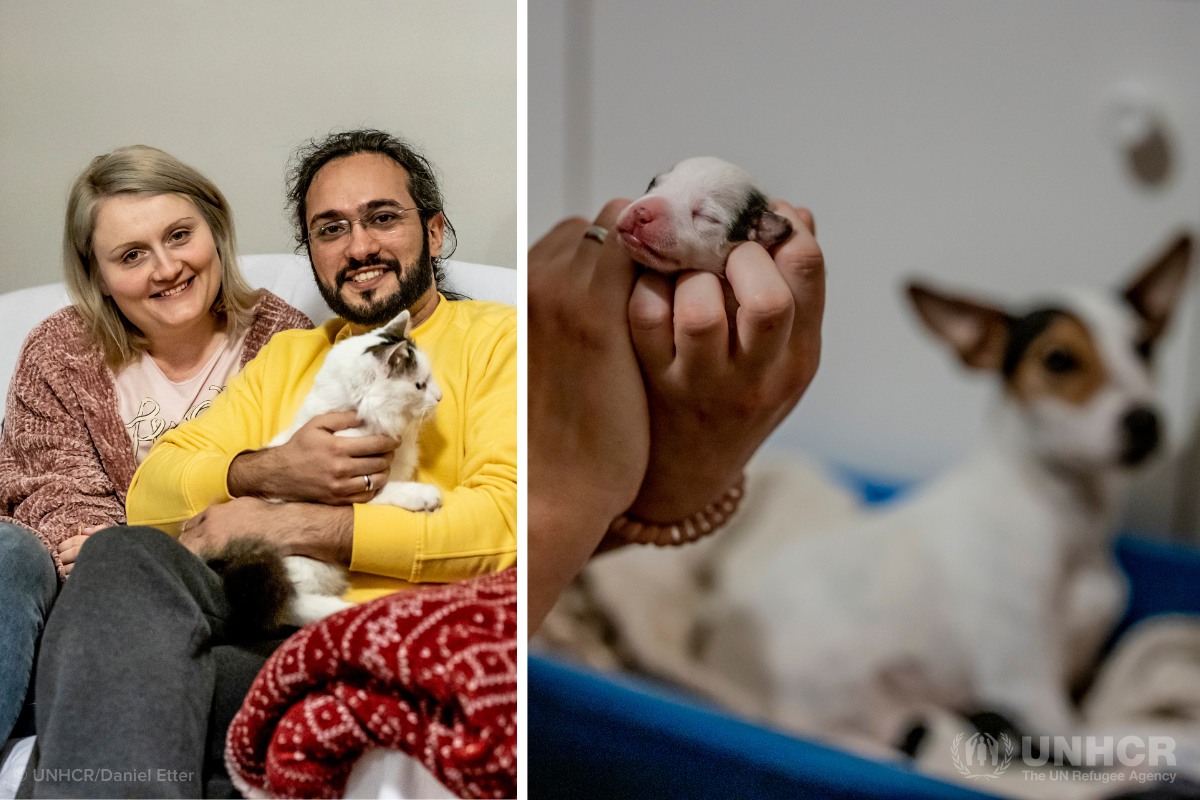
692	216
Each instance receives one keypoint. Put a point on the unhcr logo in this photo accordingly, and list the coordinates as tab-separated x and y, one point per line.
1096	751
982	756
1066	758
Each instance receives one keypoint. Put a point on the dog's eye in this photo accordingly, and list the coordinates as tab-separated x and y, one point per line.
1060	362
700	215
421	386
1145	350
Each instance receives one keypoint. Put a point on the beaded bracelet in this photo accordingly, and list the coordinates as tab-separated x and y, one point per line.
688	529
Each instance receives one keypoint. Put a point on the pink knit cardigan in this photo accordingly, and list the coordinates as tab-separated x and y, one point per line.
65	458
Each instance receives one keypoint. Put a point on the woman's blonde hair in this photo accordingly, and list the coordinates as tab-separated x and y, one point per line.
139	169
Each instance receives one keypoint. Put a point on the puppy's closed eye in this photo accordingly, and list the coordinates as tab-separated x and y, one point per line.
693	215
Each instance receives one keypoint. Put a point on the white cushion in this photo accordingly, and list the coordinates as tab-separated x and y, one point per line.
19	312
13	768
285	274
392	775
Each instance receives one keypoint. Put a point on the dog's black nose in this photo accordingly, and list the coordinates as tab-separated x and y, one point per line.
1141	434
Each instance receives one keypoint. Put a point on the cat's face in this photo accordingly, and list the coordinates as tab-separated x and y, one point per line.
389	377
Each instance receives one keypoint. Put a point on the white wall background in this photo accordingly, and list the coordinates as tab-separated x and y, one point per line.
958	140
232	87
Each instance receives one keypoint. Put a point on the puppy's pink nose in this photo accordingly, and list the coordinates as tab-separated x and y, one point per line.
643	214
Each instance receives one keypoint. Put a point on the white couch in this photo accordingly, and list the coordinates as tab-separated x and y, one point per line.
381	774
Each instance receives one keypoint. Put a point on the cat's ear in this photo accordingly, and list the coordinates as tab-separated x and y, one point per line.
398	327
401	358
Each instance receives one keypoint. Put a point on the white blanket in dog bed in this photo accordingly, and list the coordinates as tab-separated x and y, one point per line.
661	612
653	610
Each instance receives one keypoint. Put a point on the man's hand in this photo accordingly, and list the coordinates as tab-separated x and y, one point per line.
68	549
322	532
716	390
315	466
588	426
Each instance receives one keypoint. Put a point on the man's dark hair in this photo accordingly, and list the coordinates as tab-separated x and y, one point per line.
308	159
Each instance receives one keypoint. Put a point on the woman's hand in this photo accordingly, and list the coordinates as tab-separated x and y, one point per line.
717	390
68	549
589	431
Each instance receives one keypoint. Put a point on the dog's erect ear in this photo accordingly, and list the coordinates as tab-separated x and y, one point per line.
1156	291
771	229
978	333
398	327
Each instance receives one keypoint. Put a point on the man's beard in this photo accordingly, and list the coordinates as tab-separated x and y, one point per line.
414	283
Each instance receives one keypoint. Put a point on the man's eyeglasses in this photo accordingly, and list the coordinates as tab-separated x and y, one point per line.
384	223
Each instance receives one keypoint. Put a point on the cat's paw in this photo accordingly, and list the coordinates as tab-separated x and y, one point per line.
421	497
308	608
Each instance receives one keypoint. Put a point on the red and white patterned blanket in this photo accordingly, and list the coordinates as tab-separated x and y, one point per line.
432	672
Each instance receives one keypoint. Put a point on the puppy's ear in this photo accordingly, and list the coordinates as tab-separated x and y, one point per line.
770	230
978	333
1156	291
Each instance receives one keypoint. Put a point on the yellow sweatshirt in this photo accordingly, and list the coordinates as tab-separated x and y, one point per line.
470	453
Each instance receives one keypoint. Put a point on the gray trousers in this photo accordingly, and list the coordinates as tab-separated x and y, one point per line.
136	681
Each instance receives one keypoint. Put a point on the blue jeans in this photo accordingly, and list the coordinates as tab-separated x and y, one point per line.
28	584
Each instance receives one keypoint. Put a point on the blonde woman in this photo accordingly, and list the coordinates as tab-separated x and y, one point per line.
162	318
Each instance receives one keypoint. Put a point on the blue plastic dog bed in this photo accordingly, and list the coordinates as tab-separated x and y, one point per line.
593	736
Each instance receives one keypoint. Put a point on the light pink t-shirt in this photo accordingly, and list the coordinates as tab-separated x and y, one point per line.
150	404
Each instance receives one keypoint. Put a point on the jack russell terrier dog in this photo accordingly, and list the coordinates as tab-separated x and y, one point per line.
992	590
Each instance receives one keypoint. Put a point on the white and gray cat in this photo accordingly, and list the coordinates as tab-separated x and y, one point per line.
388	382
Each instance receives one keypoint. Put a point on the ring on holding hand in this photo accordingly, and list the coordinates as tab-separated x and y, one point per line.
596	232
368	477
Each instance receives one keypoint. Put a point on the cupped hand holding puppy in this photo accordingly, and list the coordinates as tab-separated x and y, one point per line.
716	391
315	465
642	396
589	431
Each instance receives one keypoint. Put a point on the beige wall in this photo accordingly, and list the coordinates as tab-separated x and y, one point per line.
233	87
965	142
